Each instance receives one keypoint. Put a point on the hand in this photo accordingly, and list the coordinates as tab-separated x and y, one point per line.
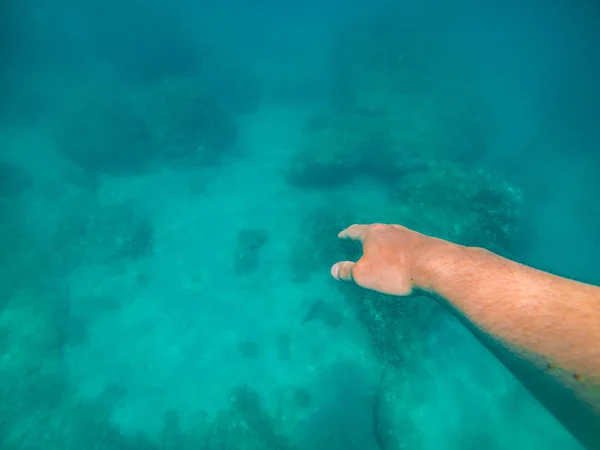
394	258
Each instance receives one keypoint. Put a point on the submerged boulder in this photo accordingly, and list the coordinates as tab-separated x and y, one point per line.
113	131
396	104
13	180
100	130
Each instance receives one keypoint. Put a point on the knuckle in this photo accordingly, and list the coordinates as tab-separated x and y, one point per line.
358	271
379	228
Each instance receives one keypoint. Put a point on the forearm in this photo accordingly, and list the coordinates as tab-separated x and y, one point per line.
554	318
527	318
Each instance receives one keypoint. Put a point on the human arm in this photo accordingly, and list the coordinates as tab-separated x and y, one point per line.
544	328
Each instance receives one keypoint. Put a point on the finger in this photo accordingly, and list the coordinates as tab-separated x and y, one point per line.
355	232
343	270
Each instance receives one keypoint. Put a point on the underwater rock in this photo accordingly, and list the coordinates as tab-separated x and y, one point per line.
245	424
323	312
238	91
447	201
27	261
34	377
100	130
82	180
393	426
103	235
301	397
312	312
140	44
397	328
382	145
397	104
321	226
188	121
13	180
467	206
348	145
105	130
248	244
172	437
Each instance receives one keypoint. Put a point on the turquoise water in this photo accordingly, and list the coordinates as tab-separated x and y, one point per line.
172	179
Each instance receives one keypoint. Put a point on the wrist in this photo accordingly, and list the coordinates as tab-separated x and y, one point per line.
440	263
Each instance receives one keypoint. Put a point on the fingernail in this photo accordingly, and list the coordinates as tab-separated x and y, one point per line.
335	271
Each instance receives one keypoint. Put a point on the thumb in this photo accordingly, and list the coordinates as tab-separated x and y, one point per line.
343	270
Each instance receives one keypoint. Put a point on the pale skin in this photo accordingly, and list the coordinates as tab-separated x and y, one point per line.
544	328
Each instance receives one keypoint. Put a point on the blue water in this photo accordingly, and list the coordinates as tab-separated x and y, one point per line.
172	179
